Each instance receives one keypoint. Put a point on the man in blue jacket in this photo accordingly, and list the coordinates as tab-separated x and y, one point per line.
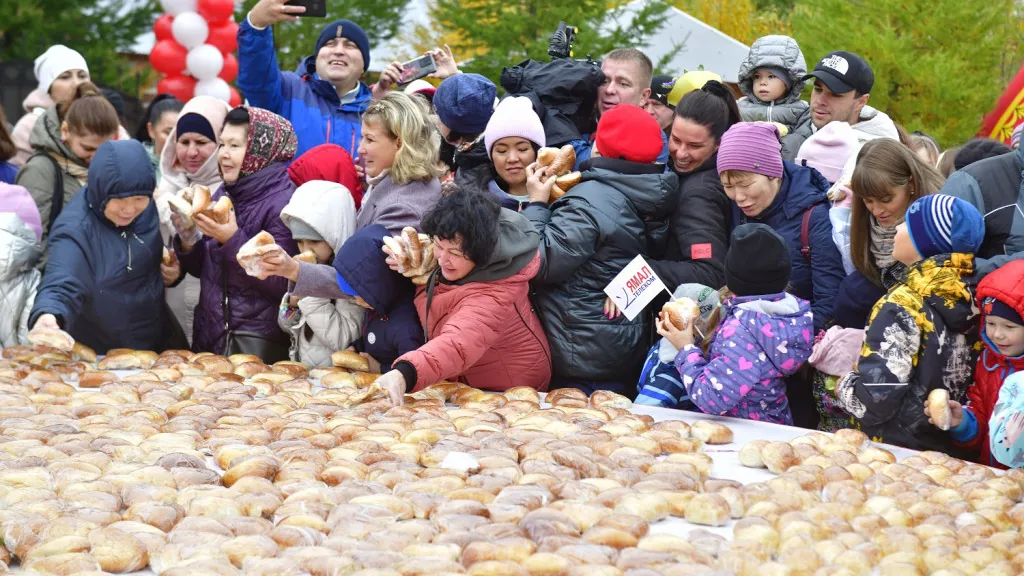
324	99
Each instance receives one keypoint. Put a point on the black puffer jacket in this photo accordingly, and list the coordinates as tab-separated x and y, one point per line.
698	231
473	167
620	210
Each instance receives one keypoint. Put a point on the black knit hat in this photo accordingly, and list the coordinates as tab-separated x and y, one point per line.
758	261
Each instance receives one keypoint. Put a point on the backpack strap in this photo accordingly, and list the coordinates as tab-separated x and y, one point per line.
57	201
805	234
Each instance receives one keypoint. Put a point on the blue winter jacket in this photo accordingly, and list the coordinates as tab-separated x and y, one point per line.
817	281
102	281
312	105
392	328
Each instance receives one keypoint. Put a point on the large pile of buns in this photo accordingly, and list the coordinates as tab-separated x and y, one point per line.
199	464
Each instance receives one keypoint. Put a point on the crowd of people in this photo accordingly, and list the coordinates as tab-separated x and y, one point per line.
843	269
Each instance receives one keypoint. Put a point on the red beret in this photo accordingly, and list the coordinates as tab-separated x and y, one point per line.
629	133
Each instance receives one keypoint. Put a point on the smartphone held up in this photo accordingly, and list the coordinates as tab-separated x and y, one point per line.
418	68
314	8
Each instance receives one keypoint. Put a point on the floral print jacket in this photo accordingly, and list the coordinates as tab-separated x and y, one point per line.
922	335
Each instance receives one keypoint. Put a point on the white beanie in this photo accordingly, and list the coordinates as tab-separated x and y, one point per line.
57	60
514	116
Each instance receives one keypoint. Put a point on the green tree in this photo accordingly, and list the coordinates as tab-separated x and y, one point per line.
97	29
939	65
744	20
380	19
500	33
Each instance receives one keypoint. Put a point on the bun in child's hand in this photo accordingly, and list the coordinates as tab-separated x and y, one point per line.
681	312
308	257
938	408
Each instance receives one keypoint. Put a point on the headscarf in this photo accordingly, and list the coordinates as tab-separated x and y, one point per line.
328	162
271	139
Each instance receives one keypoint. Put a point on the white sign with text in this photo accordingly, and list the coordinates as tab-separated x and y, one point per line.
634	288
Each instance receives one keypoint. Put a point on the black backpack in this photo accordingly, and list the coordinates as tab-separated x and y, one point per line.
563	92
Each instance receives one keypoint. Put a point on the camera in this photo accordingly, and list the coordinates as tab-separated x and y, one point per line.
562	40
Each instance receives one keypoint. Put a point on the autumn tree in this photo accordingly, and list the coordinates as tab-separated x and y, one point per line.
493	34
744	20
939	65
99	30
380	19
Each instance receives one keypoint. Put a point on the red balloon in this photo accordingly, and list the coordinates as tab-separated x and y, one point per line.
215	11
168	57
236	98
230	69
181	87
224	37
162	27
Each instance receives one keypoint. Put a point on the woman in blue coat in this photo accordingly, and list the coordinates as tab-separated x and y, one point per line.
792	200
103	283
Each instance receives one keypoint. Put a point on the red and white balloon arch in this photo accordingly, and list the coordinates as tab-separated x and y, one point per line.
194	50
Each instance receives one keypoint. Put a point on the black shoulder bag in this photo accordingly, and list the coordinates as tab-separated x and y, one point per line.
241	342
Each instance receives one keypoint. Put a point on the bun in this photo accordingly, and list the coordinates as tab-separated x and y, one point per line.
308	257
200	198
58	339
350	361
567	181
938	408
412	239
558	160
166	258
219	212
257	248
680	312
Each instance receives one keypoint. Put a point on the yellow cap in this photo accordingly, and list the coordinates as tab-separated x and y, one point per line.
688	83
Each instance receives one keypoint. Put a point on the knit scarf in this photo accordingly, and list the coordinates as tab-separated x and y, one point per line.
72	168
271	139
882	241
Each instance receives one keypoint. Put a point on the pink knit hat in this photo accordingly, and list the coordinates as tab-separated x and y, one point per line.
828	149
514	116
751	147
17	199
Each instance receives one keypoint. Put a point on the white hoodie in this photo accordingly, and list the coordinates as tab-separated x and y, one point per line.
328	209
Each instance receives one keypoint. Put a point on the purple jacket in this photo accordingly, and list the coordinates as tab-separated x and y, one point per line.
762	340
258	199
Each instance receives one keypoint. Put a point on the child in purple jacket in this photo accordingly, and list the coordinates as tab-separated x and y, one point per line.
765	334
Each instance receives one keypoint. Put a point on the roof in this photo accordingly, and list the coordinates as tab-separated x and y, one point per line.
701	45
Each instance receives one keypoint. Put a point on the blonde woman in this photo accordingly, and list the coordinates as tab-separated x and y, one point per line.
399	152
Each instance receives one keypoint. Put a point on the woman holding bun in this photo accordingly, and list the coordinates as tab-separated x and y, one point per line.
399	150
475	308
512	138
237	312
103	283
620	209
65	139
188	157
764	336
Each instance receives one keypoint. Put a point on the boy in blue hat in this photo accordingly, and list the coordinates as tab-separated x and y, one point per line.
922	335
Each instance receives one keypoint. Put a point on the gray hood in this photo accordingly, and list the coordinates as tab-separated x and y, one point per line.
780	52
517	247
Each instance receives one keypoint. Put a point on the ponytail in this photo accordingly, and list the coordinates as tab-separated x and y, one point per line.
88	112
162	104
713	107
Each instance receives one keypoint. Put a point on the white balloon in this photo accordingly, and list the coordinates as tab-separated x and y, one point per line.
190	29
217	88
175	7
204	62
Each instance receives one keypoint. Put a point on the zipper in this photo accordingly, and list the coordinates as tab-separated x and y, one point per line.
771	107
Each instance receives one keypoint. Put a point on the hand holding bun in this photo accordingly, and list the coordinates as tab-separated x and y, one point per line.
219	212
411	254
189	202
257	248
308	257
938	408
559	162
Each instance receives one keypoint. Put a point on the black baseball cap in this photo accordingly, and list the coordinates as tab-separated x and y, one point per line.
844	71
661	85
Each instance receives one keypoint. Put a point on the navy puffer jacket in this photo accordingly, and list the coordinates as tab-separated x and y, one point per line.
103	281
804	191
